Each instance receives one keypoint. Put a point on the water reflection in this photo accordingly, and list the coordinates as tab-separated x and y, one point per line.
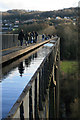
18	76
35	55
21	68
28	60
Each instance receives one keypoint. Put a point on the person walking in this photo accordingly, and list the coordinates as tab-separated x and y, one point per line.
26	38
43	37
20	37
36	34
32	36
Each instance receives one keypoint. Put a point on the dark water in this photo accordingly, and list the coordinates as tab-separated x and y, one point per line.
15	78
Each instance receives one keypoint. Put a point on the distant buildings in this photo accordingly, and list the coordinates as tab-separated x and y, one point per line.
58	18
12	25
28	21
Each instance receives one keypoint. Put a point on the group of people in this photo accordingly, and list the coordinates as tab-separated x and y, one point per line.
46	37
30	37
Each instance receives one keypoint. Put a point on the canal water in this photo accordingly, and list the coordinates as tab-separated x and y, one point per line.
17	75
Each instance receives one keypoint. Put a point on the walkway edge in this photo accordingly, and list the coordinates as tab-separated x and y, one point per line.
13	55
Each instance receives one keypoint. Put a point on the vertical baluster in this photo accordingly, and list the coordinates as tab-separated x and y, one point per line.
33	98
52	100
36	110
44	78
47	69
30	105
36	98
21	111
43	82
55	73
40	92
57	87
26	106
46	73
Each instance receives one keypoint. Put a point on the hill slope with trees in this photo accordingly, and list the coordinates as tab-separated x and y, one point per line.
23	14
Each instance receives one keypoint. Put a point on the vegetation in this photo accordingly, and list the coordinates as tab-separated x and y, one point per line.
69	67
32	27
24	15
69	40
69	98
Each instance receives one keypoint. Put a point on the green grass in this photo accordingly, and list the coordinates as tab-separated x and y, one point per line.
68	66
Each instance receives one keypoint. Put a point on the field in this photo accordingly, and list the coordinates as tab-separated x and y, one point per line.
68	66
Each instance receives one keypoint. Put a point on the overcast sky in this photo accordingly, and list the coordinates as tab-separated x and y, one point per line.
42	5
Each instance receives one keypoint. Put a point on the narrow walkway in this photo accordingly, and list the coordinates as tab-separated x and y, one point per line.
11	53
17	48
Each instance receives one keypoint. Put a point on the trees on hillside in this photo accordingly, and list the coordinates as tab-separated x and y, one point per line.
69	41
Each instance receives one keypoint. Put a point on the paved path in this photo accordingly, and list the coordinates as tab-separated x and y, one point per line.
11	53
16	48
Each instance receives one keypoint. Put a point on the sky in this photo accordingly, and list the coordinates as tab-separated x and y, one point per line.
42	5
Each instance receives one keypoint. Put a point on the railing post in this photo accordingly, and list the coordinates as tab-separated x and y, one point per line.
30	104
57	64
43	82
44	79
46	73
33	98
21	111
26	106
40	90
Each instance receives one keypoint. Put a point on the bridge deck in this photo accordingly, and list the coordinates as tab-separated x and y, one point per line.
17	48
11	53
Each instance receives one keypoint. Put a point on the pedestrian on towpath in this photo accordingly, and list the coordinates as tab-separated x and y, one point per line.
36	35
26	38
43	37
20	37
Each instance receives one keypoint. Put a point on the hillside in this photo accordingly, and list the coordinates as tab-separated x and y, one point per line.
23	14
